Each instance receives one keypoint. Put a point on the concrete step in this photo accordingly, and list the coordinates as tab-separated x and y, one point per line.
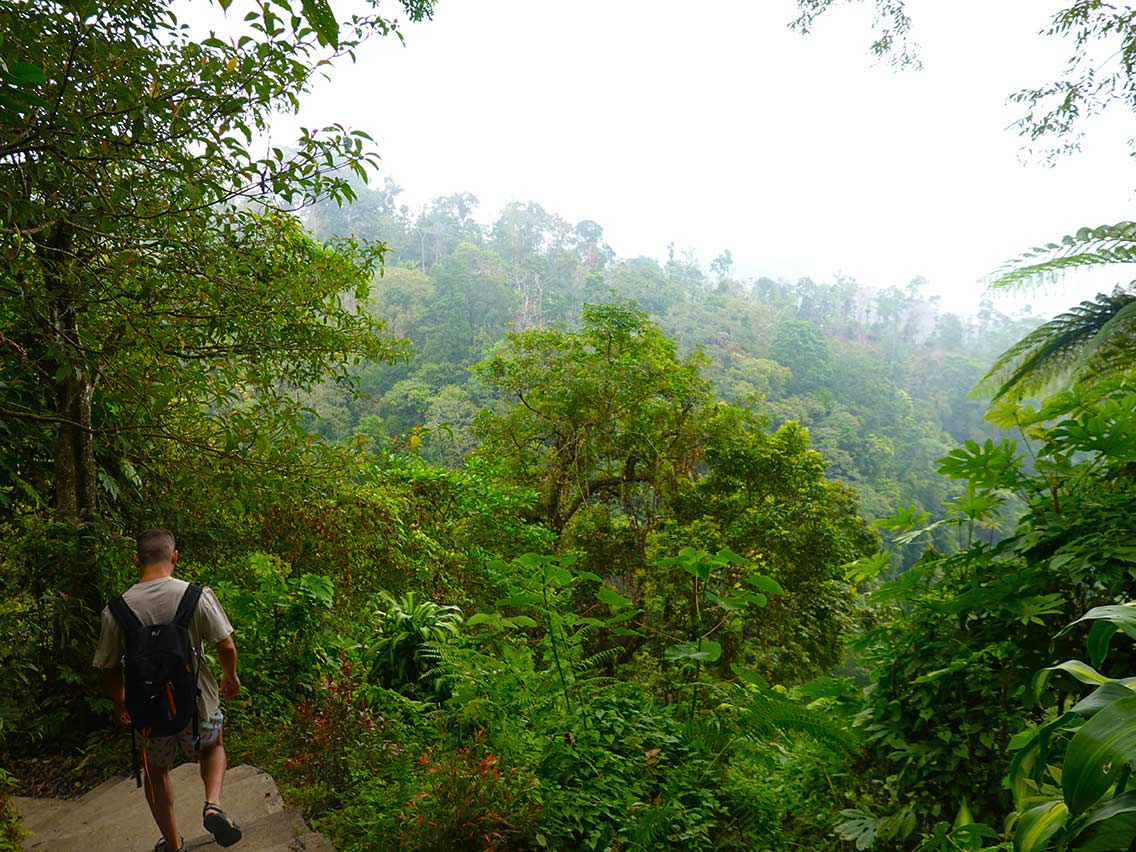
121	816
278	830
40	814
310	842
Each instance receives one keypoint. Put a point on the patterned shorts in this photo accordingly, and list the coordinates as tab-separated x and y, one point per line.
163	751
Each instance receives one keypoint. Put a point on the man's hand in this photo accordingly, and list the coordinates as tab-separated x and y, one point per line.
227	656
120	713
230	685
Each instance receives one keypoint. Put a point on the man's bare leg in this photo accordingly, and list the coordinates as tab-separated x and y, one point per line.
160	796
213	763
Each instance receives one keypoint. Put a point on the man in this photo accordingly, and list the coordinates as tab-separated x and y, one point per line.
154	599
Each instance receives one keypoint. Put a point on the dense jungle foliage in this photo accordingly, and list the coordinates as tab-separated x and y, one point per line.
528	545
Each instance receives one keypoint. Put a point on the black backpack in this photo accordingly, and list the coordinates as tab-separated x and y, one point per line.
160	668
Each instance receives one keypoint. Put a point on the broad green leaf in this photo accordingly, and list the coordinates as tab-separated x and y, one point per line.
727	556
764	584
1109	619
1097	754
25	72
523	621
747	675
1031	753
626	631
1121	615
859	828
1111	826
1038	824
708	653
612	598
1101	697
730	603
558	576
1081	671
322	20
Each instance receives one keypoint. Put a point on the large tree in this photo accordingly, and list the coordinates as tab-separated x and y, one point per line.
157	288
607	414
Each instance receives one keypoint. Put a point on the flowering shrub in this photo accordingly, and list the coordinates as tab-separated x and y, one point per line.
469	800
326	731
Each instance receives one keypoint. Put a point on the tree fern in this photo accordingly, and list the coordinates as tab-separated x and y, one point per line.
1088	247
1094	338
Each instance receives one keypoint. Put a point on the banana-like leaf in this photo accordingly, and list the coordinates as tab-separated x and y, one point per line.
1109	620
1031	753
1038	824
1101	697
1081	671
1098	753
1112	826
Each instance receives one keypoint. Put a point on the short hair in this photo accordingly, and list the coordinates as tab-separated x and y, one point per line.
155	546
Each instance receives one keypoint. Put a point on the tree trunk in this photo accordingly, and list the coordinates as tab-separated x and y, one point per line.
75	479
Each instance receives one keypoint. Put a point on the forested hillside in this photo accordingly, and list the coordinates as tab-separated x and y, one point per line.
879	377
529	545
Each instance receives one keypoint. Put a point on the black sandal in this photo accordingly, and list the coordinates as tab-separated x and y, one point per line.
224	830
160	846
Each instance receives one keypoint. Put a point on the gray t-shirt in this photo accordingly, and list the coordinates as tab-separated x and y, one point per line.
156	602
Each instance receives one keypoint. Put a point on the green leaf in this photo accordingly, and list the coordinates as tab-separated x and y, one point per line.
1109	619
1112	826
727	556
858	827
1100	698
1081	671
1097	754
558	576
322	20
1039	824
708	653
764	584
612	598
25	72
626	631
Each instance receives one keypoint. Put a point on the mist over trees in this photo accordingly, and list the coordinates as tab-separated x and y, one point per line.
880	377
530	545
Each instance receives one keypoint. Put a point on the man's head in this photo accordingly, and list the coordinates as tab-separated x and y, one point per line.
156	547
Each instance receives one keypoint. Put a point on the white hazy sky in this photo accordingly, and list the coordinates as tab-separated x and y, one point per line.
713	126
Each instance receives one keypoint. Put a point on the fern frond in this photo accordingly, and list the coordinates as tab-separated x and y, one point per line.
1107	244
1096	337
598	659
768	712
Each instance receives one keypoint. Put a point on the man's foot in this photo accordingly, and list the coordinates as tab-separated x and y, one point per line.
161	846
224	830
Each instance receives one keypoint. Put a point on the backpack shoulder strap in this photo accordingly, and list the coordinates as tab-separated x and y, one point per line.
188	604
123	614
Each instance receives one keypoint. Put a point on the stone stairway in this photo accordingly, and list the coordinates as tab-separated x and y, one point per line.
114	817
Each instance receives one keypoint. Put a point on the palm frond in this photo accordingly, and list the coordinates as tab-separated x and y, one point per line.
1107	244
1094	338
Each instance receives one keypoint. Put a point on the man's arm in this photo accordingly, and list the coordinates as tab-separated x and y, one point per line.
227	657
115	683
